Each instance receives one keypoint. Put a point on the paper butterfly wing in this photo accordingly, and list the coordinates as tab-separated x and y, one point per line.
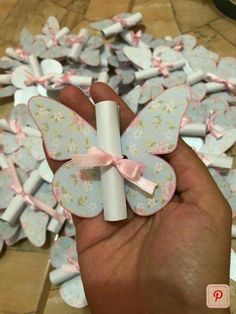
65	133
155	130
78	190
60	250
72	292
63	130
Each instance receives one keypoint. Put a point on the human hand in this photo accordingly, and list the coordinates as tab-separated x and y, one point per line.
161	263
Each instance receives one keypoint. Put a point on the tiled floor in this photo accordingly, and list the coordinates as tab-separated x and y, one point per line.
23	269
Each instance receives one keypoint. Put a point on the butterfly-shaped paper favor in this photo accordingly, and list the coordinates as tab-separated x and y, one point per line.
64	259
29	45
150	181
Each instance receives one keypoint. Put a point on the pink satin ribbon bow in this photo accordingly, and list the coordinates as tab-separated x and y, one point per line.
23	54
162	67
179	45
52	35
17	129
228	84
129	169
214	129
42	80
75	40
136	37
29	199
64	78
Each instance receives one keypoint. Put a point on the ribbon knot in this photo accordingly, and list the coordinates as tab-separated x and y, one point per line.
228	84
29	199
130	170
64	78
75	40
213	128
162	67
33	80
22	53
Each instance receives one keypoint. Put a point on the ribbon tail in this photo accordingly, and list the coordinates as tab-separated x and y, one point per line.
145	184
47	209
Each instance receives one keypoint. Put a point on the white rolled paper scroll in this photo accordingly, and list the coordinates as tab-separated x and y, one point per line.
17	204
103	77
35	66
81	80
195	77
54	224
59	275
216	161
152	72
13	54
116	28
193	129
62	32
77	80
3	161
5	79
76	49
215	87
233	231
113	190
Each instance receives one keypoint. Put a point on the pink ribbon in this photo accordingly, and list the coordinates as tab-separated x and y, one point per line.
213	78
162	67
212	127
75	40
17	129
73	265
53	36
129	169
42	80
179	45
23	54
30	200
136	37
65	78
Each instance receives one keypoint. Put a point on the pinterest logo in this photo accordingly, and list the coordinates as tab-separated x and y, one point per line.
217	296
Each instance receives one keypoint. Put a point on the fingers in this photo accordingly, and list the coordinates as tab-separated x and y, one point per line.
194	183
74	98
100	91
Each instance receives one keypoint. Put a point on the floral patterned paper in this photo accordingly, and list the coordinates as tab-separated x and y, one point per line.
154	131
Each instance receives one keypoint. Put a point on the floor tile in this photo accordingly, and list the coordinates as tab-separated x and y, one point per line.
191	14
158	17
212	40
227	28
22	280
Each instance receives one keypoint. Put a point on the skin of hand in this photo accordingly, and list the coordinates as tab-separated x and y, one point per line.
157	264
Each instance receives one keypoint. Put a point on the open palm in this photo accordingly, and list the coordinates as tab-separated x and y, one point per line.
161	263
